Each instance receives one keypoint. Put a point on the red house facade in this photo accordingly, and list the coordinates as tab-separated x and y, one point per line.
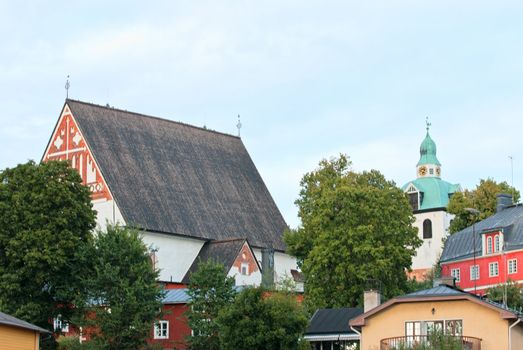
489	253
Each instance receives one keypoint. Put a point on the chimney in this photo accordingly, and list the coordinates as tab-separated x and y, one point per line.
371	299
503	200
268	268
444	281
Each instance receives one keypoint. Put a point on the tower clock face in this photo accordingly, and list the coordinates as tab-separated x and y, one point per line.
422	171
438	171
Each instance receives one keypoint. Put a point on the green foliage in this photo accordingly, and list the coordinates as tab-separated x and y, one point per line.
482	198
355	227
436	340
210	290
123	297
46	219
513	294
259	321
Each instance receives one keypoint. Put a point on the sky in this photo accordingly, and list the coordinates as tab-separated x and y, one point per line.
310	79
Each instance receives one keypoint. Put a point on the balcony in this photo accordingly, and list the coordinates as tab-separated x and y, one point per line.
431	342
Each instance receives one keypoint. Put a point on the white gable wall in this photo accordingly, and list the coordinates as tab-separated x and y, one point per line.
253	279
107	212
175	254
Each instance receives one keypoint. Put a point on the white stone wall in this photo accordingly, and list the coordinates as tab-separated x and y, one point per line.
107	212
429	252
175	254
283	264
254	279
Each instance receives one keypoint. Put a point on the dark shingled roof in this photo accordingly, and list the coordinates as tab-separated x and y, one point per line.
9	320
175	178
223	252
332	321
510	220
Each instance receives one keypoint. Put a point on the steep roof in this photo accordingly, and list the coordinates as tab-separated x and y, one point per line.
9	320
436	192
332	321
223	252
460	245
175	178
427	151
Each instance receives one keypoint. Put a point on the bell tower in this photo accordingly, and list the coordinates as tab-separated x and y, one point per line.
428	164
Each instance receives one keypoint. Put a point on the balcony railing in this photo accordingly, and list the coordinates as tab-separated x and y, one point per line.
423	342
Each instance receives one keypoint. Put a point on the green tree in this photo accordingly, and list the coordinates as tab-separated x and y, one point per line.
259	321
46	220
210	290
511	290
356	227
482	198
124	297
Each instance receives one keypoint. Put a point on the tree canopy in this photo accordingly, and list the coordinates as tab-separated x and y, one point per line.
46	220
482	198
210	290
257	320
356	227
123	298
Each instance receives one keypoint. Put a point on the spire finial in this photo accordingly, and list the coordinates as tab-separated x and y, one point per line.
239	125
428	124
67	85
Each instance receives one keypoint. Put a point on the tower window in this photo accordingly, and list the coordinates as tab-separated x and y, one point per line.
427	229
414	200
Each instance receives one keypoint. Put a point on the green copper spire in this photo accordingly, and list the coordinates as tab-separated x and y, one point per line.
427	150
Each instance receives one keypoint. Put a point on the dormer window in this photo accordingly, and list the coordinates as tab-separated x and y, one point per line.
496	244
489	245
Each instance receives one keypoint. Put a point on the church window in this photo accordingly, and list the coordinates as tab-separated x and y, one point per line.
414	200
489	245
244	270
427	229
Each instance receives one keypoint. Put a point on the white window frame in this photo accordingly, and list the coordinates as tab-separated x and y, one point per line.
474	275
493	269
489	245
497	243
244	269
456	273
161	329
61	325
512	266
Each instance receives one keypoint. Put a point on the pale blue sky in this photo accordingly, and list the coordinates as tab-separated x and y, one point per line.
310	79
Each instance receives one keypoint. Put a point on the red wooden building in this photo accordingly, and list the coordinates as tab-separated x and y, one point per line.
489	252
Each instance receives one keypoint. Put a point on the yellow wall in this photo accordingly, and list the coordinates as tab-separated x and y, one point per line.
517	336
478	321
14	338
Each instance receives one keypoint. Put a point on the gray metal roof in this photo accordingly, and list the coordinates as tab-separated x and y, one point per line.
176	296
9	320
175	178
510	220
441	290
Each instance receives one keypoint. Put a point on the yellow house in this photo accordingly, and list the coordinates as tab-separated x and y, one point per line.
16	334
407	321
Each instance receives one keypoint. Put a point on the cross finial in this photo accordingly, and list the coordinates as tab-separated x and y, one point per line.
67	85
239	125
428	124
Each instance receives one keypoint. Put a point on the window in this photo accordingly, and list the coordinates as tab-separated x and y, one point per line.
415	329
60	325
493	269
489	245
431	171
512	266
414	200
454	327
427	229
496	243
244	269
161	330
456	273
474	273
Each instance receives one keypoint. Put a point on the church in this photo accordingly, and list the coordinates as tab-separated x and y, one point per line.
429	196
186	187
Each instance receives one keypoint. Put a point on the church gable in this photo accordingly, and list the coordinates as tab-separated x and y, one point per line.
68	143
245	263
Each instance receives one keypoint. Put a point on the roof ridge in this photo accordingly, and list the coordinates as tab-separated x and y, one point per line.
228	240
152	117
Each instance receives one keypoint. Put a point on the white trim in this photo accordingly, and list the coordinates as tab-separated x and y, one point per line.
159	329
331	337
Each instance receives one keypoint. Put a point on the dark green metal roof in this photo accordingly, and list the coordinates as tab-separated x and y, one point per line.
436	192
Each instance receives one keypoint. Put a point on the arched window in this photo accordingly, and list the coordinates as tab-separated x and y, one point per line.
427	229
496	243
489	245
